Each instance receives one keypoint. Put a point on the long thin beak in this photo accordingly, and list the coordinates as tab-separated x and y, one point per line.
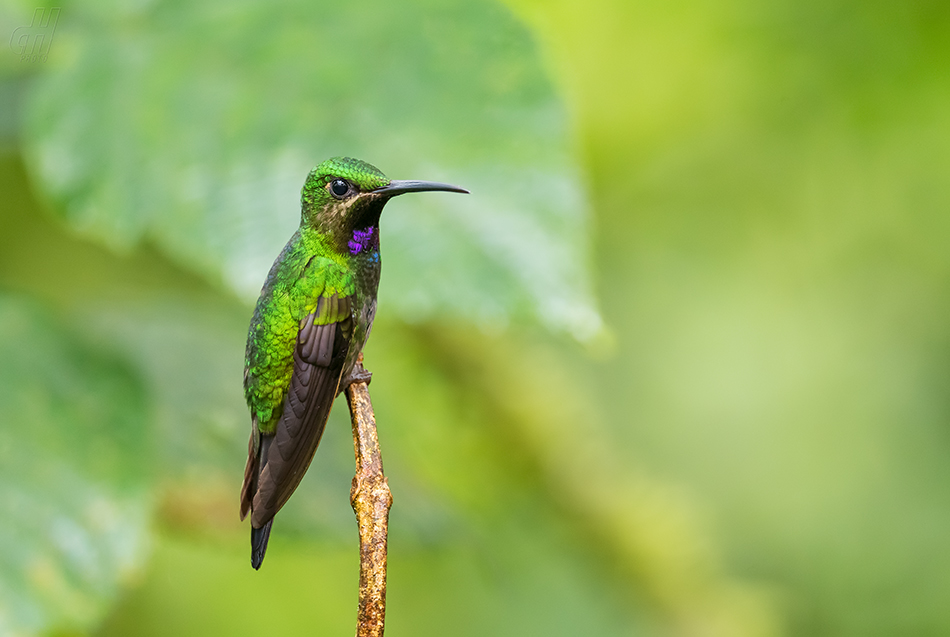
401	187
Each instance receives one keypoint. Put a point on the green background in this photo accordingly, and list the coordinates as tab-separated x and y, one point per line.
677	366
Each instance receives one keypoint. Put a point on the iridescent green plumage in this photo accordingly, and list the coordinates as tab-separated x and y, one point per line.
311	321
306	270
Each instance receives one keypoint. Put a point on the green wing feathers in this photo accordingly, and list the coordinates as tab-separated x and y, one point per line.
297	347
318	288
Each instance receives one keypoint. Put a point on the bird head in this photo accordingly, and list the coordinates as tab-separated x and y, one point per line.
343	196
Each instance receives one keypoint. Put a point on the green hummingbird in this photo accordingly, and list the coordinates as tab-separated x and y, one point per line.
311	321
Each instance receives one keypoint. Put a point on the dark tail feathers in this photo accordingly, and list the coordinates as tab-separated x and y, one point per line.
259	539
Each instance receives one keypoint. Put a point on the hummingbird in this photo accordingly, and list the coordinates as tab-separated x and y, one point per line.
309	326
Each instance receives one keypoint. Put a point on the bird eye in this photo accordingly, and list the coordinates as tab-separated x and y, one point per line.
339	188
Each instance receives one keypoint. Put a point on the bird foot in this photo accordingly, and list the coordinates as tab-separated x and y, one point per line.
358	375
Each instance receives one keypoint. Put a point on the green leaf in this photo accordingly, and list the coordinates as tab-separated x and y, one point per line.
195	125
73	449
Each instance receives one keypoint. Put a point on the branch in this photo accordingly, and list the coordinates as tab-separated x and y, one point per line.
371	500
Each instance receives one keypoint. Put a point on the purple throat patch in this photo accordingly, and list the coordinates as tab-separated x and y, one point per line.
362	239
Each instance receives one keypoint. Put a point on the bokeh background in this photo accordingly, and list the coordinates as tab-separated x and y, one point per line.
678	365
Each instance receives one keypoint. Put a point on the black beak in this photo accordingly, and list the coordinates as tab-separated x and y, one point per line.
396	187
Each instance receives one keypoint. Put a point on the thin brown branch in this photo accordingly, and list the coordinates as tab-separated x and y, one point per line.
371	499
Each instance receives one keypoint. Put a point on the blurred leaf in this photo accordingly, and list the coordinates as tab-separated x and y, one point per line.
195	125
73	456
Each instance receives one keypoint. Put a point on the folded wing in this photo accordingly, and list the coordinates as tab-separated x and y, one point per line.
282	458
